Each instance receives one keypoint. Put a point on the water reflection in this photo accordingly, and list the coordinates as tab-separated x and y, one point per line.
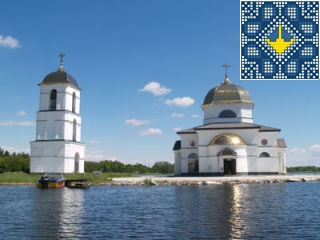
257	211
58	213
236	219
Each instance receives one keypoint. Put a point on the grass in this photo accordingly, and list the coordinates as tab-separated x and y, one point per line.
11	178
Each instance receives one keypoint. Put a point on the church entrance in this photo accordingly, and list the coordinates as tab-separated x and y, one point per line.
229	166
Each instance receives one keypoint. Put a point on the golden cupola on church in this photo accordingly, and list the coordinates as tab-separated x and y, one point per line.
227	102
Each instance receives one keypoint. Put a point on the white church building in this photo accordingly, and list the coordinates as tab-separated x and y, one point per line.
58	146
228	142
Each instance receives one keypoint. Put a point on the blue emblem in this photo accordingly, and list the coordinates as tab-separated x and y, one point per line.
279	40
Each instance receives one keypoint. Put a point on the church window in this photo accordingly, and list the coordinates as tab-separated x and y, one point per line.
76	163
53	99
74	137
227	139
264	155
74	97
227	114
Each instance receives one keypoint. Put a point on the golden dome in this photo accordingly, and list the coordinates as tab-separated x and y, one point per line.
227	93
227	139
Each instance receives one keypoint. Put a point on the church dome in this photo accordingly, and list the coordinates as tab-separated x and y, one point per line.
225	93
59	77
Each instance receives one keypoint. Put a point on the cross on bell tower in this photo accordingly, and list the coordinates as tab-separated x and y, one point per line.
61	55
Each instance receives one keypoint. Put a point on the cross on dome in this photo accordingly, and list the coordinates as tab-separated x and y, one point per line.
61	55
226	66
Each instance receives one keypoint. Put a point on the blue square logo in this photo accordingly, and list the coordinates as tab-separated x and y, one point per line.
279	40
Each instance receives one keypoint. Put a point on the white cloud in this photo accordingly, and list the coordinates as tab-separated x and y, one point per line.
177	129
155	88
93	142
9	42
21	113
309	156
151	131
180	102
195	115
177	115
20	124
136	122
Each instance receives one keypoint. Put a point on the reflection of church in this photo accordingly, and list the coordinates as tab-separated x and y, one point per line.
228	142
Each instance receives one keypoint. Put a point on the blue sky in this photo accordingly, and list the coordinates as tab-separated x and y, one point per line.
144	68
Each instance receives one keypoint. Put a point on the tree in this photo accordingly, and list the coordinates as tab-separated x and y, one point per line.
163	167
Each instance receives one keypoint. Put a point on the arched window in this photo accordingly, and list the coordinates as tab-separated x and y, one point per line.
227	114
264	155
76	162
53	99
74	137
74	97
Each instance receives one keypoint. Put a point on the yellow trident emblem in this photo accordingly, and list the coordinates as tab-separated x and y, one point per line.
280	45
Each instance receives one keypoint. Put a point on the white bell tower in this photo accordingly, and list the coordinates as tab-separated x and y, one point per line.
58	146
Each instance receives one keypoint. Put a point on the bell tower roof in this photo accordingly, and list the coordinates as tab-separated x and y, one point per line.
60	76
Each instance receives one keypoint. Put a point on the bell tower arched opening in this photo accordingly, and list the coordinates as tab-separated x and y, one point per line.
53	100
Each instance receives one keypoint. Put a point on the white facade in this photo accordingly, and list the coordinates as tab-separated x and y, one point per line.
58	146
228	142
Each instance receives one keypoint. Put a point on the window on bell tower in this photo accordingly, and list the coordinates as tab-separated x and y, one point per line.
74	135
74	97
53	100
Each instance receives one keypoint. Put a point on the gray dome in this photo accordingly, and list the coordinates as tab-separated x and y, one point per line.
225	93
59	77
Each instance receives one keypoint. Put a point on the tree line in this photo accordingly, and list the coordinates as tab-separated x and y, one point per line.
20	162
303	169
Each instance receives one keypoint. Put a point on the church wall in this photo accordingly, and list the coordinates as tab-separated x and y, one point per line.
56	156
268	164
271	137
177	162
243	112
187	139
282	161
47	156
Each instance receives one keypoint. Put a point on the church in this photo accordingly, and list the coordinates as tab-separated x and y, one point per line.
58	146
228	142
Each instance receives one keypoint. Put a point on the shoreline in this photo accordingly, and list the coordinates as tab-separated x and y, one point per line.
256	179
195	180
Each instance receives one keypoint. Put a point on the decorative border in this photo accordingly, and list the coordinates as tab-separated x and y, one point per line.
279	40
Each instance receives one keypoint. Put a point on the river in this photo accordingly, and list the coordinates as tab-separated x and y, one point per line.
254	211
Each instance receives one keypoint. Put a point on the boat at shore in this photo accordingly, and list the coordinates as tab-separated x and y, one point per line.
51	180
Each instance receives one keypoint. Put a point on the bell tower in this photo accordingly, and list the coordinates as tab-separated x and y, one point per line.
58	146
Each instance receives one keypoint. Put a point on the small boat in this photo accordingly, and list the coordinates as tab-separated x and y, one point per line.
51	180
77	183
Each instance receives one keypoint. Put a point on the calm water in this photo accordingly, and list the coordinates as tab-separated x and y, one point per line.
262	211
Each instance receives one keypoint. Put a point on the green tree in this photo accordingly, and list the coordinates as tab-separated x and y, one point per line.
163	167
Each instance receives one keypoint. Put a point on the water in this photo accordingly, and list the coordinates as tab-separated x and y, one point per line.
258	211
